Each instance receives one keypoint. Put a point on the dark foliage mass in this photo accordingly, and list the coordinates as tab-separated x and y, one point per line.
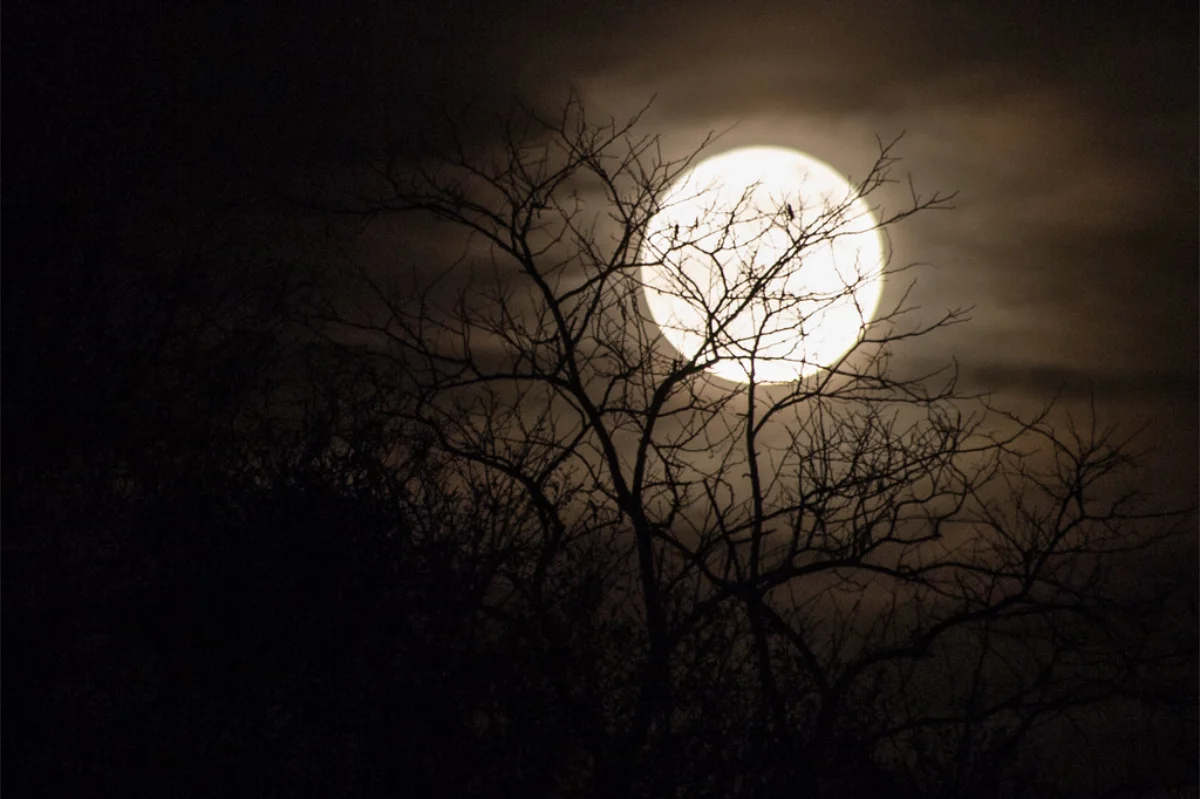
258	545
199	603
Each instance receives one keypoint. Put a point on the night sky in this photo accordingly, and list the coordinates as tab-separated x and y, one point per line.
1068	130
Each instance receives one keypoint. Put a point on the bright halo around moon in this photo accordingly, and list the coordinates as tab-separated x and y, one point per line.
764	260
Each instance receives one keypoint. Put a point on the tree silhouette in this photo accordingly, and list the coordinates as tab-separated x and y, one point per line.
491	536
906	576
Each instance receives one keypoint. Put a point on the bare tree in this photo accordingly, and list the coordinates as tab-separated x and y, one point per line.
855	568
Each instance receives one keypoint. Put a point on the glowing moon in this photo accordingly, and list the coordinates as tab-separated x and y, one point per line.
763	259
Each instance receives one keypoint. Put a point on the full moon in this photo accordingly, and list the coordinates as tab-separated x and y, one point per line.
764	262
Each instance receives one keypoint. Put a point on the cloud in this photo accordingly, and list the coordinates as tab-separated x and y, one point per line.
1072	383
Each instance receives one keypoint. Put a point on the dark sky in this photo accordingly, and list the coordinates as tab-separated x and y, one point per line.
1070	131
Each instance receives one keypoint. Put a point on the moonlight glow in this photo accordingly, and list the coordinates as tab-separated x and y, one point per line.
766	259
